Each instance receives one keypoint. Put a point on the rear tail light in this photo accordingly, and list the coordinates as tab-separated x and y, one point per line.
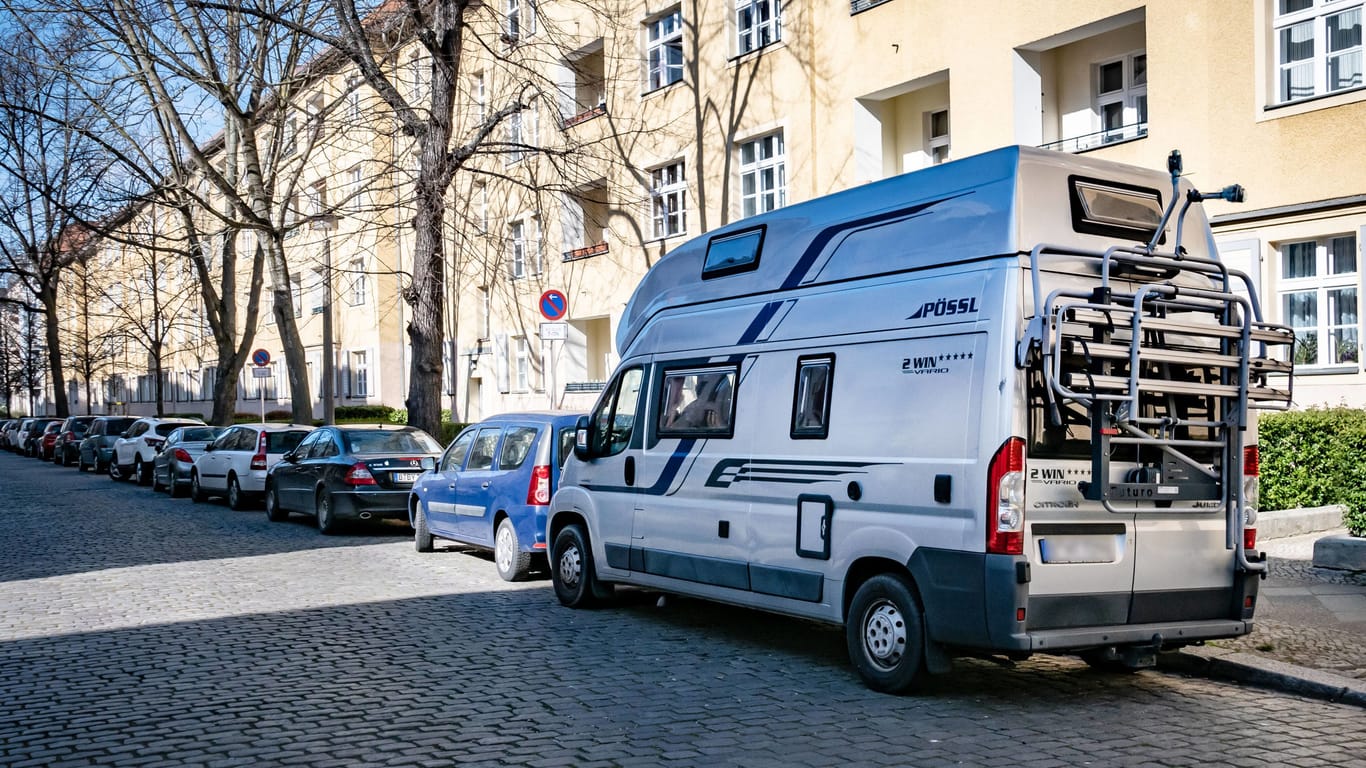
1005	499
258	461
538	492
153	442
182	456
1252	472
359	474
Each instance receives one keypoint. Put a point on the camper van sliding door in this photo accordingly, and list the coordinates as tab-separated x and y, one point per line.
688	525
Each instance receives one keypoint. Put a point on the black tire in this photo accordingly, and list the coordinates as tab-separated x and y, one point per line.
236	498
512	563
885	632
423	540
115	471
274	512
197	494
176	490
80	462
325	513
140	474
157	485
572	572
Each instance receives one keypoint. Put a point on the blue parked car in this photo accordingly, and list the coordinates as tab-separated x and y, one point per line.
492	488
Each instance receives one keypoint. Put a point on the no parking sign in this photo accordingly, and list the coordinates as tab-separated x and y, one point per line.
553	305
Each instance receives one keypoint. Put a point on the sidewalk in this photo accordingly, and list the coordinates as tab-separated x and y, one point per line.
1309	634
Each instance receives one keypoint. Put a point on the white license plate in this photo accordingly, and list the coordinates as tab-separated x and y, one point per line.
1078	549
406	477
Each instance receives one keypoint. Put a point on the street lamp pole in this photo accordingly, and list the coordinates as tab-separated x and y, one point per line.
326	224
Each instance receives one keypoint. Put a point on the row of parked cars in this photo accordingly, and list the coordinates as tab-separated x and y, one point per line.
490	487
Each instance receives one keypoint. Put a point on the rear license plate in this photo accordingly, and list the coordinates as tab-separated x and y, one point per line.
1078	549
406	477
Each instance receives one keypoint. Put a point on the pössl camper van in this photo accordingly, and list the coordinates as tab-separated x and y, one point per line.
999	405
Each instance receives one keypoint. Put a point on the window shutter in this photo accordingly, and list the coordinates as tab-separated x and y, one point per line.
500	362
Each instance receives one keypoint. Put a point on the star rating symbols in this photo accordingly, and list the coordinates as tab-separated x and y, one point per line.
955	356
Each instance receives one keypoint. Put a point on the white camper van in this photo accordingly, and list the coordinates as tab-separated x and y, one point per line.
995	406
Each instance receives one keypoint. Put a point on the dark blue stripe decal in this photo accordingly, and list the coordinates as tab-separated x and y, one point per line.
666	477
819	242
760	320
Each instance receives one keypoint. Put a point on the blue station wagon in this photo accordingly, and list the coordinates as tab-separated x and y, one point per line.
492	488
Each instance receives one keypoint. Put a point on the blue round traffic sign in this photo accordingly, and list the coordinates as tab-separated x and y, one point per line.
260	357
554	306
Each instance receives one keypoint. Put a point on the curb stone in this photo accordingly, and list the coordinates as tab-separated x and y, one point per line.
1207	661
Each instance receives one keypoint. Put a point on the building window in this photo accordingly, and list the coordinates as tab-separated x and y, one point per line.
669	198
360	374
666	50
521	134
481	202
296	294
520	22
353	99
521	357
360	283
1318	48
1319	290
480	97
525	245
763	174
757	23
418	74
937	136
355	181
1122	97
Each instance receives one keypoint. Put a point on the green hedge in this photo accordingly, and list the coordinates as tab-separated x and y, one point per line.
1313	458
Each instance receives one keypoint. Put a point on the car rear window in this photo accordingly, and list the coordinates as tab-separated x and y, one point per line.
284	442
203	434
390	441
166	429
517	442
118	425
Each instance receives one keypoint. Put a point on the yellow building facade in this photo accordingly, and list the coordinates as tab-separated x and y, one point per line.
652	123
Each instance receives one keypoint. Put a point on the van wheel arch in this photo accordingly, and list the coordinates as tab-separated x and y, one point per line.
866	568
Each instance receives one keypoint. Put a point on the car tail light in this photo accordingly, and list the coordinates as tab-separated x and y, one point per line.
1252	472
182	456
1005	499
258	461
68	437
538	492
359	474
153	442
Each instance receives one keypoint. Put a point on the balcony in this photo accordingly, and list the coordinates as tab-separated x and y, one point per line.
586	252
585	116
858	6
1098	139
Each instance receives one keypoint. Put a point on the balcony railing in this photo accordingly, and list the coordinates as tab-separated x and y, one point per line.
856	6
586	252
586	115
1098	139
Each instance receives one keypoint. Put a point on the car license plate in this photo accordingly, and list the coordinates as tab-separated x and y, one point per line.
1078	549
406	477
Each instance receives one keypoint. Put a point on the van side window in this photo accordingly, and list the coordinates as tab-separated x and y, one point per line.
615	417
481	453
697	402
811	402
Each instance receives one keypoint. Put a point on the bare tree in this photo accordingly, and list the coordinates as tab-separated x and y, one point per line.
89	346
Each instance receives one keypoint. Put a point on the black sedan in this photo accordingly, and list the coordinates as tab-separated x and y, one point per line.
350	472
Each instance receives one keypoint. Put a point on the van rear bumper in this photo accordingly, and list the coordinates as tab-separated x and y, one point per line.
1171	634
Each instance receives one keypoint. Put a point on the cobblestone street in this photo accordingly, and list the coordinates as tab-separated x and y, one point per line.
138	630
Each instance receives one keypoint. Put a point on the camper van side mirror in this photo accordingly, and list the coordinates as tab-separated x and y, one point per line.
583	439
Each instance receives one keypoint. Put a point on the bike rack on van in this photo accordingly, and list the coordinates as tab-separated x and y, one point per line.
1165	332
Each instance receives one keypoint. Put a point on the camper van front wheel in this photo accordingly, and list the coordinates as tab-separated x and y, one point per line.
885	634
572	572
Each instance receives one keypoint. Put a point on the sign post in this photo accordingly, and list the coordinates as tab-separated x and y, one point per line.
554	307
261	358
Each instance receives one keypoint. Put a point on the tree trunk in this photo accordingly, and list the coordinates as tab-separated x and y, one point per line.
426	332
54	350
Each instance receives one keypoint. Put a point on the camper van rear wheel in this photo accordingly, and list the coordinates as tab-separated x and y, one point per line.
572	572
885	634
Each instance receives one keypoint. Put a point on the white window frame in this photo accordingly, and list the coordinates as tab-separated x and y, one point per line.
1322	284
353	110
664	35
1131	97
521	365
296	293
669	200
360	373
355	182
763	198
937	145
753	33
360	283
519	21
480	88
524	242
1315	19
521	134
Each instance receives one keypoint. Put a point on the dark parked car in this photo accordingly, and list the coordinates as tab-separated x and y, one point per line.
350	471
8	430
172	465
67	449
33	437
492	488
98	444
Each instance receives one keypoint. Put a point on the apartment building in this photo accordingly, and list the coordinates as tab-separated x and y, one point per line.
674	119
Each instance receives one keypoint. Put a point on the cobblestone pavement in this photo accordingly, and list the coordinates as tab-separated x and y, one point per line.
137	630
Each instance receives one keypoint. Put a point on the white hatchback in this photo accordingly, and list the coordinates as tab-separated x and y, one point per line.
137	446
235	464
